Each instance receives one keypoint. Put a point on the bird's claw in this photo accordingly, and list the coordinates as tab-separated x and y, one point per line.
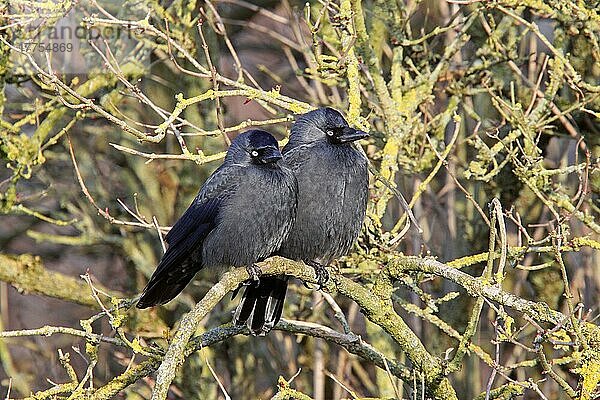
322	277
255	272
321	274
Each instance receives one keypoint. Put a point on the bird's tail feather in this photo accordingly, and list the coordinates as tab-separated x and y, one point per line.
161	291
261	305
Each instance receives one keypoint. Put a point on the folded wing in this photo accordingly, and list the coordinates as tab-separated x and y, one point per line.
182	259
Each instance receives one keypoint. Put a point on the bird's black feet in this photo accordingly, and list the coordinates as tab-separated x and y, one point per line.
254	272
321	273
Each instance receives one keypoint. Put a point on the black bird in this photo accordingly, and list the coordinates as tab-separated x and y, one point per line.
241	215
333	189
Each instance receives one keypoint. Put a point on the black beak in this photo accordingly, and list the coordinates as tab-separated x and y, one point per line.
351	135
270	155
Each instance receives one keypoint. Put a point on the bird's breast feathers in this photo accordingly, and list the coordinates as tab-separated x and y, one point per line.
333	192
261	213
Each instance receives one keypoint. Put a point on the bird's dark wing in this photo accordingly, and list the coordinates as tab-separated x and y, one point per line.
185	238
199	212
205	206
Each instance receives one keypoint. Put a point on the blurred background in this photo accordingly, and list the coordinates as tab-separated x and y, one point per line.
466	101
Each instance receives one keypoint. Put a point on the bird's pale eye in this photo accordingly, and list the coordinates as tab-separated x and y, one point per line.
254	153
329	132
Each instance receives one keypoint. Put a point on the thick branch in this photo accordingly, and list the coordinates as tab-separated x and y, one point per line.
28	275
228	282
147	367
376	304
476	287
376	310
351	342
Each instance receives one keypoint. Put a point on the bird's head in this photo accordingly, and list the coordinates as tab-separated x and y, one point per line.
254	147
324	124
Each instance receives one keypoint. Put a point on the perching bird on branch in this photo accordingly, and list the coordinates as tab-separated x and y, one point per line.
241	215
333	189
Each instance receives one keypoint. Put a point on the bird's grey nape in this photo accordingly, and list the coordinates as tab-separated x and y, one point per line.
312	126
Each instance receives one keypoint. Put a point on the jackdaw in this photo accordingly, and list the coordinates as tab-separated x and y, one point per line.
241	215
333	189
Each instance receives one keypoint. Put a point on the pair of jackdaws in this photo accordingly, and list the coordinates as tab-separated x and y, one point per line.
306	203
